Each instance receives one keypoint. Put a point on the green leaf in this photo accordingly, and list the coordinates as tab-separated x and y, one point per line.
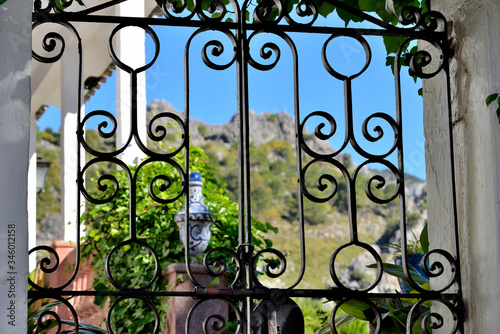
393	43
491	98
36	314
2	1
47	326
85	328
425	286
358	310
397	271
59	5
424	239
290	4
324	330
369	5
100	300
325	9
347	16
343	320
389	61
417	325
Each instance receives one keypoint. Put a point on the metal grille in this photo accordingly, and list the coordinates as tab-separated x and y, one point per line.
247	288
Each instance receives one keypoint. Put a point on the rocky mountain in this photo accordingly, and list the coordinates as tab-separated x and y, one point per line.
264	128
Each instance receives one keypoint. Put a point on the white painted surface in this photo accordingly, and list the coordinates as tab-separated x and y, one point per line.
131	50
15	68
69	141
475	73
32	192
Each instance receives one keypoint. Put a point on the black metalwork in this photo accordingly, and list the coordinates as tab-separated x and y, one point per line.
246	288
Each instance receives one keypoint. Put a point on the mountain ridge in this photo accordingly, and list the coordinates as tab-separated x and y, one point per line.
264	127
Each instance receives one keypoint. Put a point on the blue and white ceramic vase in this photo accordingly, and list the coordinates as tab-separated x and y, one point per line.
200	219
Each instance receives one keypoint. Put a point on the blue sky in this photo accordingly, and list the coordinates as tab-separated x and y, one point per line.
213	93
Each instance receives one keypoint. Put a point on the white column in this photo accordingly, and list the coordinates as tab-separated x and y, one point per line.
475	73
32	192
15	92
130	49
69	140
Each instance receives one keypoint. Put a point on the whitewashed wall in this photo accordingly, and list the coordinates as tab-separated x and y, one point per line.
475	73
15	68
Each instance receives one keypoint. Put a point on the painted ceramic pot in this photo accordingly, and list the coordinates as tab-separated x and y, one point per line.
200	219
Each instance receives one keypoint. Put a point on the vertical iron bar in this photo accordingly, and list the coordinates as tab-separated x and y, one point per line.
187	106
351	189
245	228
133	185
298	149
79	161
402	197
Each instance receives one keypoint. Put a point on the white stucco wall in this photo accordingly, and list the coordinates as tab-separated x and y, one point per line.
69	141
475	73
15	68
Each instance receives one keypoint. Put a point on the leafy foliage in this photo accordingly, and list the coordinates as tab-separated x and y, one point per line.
316	319
132	266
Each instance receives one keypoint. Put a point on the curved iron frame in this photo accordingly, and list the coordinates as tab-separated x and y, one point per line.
430	26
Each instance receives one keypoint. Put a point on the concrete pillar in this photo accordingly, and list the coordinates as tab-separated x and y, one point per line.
475	73
15	69
69	140
32	192
131	50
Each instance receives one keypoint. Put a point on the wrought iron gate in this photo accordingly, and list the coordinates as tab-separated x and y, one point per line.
247	287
